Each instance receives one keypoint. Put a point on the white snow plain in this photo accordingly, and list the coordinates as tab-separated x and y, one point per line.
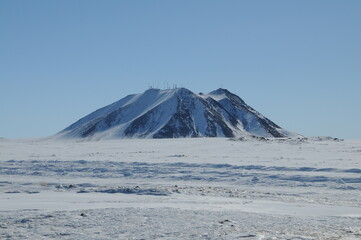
201	188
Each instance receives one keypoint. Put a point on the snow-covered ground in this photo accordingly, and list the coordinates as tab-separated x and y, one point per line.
205	188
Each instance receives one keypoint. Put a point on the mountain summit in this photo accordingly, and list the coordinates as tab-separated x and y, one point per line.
175	113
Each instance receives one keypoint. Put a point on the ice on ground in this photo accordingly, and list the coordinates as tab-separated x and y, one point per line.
180	189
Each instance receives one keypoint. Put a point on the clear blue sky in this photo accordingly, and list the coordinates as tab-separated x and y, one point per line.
297	62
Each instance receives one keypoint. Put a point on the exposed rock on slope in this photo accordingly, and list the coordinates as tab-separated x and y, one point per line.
175	113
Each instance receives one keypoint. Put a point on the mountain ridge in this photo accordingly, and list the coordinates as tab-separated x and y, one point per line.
175	113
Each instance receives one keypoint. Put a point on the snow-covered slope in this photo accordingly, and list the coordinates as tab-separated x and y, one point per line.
175	113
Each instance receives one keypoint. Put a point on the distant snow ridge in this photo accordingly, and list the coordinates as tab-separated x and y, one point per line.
175	113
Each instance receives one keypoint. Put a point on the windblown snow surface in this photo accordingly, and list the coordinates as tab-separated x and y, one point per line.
202	188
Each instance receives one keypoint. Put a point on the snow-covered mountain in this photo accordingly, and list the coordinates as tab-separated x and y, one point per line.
175	113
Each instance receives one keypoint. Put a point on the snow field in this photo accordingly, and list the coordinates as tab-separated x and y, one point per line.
205	188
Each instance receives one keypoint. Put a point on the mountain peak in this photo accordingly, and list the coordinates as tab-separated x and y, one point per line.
181	90
220	91
173	113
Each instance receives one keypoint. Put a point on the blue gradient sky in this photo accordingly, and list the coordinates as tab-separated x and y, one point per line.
297	62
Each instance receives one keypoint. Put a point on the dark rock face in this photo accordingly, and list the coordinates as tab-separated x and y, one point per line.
175	113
